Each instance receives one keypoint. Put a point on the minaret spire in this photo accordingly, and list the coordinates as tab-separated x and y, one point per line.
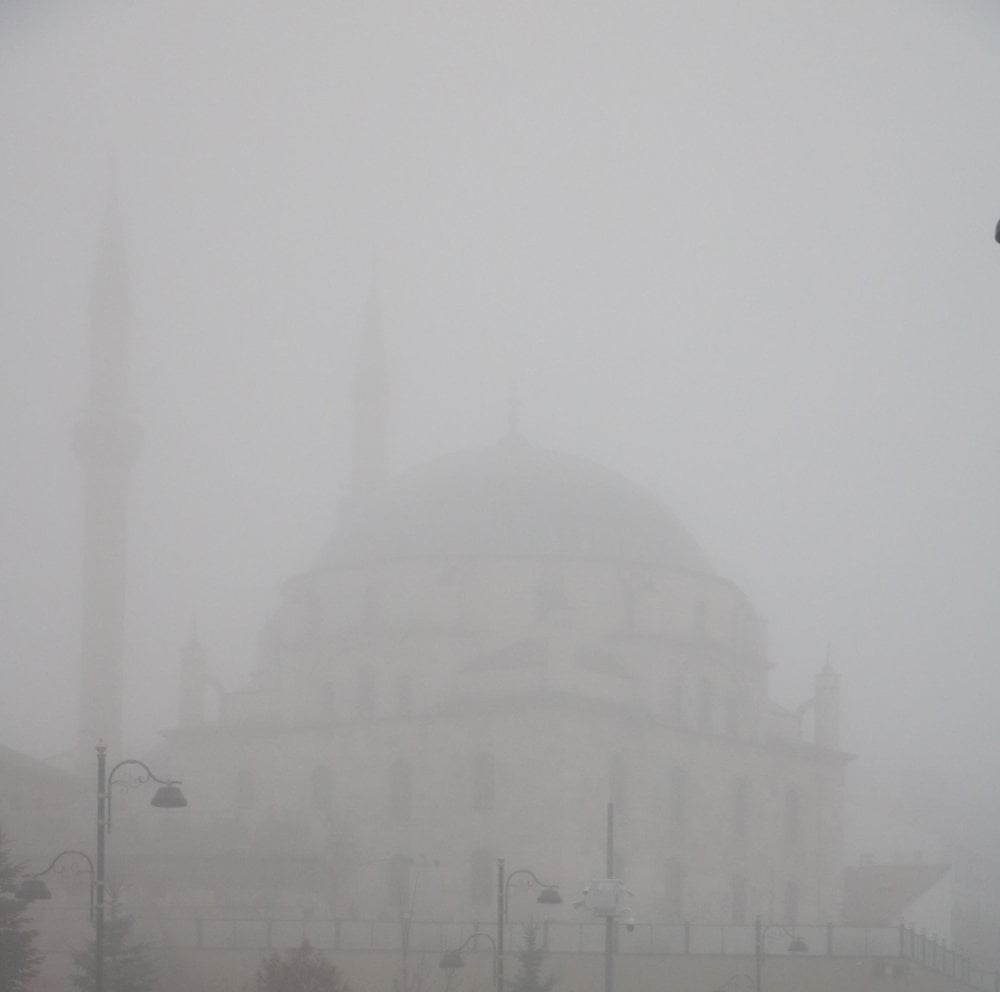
371	404
107	443
193	679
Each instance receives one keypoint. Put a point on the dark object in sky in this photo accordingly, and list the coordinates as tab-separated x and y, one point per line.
998	232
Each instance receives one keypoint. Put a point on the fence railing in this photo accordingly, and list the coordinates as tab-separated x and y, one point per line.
178	929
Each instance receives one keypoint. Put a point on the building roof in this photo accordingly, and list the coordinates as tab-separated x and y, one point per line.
514	499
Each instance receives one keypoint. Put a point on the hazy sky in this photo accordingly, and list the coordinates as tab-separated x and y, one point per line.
741	252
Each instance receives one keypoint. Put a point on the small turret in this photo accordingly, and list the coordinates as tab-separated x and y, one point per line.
827	707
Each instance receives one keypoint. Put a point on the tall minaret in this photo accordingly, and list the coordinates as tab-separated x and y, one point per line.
371	407
107	442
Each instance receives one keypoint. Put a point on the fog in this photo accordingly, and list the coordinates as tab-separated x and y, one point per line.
741	253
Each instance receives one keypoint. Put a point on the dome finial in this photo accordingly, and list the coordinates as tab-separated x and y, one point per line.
371	400
513	400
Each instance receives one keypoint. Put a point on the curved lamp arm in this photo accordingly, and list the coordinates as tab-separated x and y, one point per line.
57	859
531	875
474	936
148	777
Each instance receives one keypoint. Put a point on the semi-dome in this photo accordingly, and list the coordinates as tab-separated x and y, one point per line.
514	499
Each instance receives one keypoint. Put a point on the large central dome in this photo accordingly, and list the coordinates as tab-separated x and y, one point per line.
514	499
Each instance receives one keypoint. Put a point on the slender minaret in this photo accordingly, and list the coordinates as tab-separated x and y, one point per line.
371	407
107	442
193	679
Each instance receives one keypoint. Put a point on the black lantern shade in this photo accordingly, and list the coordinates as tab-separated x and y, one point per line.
32	889
550	897
169	797
452	959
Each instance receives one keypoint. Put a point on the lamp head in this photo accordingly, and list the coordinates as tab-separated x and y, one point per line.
798	946
169	797
32	889
452	959
549	897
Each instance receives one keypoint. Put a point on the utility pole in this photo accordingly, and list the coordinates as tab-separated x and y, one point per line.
610	921
500	915
758	953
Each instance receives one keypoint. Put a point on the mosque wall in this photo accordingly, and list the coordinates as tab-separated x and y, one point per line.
709	827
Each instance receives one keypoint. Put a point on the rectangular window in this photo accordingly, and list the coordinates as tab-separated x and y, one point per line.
673	891
399	880
791	906
481	877
483	782
739	886
677	799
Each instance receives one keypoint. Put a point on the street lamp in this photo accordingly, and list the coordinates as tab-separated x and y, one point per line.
453	959
32	887
167	796
795	946
548	896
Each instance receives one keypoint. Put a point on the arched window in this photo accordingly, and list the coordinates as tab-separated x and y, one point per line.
677	795
483	781
700	620
371	608
793	824
619	783
245	789
741	808
550	596
400	790
481	877
677	703
398	877
706	705
321	788
328	701
366	691
673	890
733	715
739	900
404	695
791	903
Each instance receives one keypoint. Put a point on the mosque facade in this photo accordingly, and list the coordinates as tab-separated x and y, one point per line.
492	648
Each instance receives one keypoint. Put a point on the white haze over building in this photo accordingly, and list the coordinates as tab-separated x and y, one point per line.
742	253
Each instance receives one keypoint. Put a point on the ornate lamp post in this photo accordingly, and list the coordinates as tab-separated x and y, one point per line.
796	946
32	887
167	796
454	959
548	896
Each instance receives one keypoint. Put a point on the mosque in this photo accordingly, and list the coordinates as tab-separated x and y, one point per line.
489	650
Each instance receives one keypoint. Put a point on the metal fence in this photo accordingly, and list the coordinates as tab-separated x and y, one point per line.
890	945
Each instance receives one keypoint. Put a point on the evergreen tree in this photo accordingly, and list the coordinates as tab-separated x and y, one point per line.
301	970
19	958
530	959
128	965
